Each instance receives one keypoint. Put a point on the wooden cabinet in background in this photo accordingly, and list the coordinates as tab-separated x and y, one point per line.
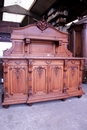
75	40
78	43
39	67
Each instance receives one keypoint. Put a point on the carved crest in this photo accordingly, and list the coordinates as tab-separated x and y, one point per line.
42	25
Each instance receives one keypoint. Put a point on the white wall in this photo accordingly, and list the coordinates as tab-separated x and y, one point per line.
4	46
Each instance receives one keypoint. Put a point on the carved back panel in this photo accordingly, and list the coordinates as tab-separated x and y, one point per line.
39	39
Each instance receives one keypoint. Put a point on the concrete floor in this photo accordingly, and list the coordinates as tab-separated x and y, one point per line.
51	115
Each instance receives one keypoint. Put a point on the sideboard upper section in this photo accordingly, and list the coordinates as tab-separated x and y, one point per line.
38	39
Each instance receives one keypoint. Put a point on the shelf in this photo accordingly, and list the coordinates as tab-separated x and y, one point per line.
55	17
59	24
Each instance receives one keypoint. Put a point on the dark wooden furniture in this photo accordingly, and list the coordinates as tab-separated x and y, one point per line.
78	43
75	39
39	67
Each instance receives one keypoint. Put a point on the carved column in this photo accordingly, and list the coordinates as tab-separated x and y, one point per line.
30	77
5	80
65	76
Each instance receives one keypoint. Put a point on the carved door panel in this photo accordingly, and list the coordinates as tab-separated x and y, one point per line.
17	77
39	85
73	78
56	78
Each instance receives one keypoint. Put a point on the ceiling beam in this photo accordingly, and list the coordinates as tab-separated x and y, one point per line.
16	9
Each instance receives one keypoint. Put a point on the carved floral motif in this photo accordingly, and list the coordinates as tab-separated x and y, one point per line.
56	70
18	73
73	70
40	71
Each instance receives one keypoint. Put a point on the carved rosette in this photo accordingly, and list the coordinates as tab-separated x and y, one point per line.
42	25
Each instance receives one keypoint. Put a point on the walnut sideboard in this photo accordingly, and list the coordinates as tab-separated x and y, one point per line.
39	67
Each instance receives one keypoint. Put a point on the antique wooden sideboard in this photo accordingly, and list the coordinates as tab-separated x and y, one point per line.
39	67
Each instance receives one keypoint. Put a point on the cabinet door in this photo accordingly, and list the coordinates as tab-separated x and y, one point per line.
56	78
39	85
17	77
73	78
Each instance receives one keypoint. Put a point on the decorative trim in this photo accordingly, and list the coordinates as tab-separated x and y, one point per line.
73	62
17	62
48	62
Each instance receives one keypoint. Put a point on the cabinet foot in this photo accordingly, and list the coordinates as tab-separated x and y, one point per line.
30	104
79	96
64	99
6	106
